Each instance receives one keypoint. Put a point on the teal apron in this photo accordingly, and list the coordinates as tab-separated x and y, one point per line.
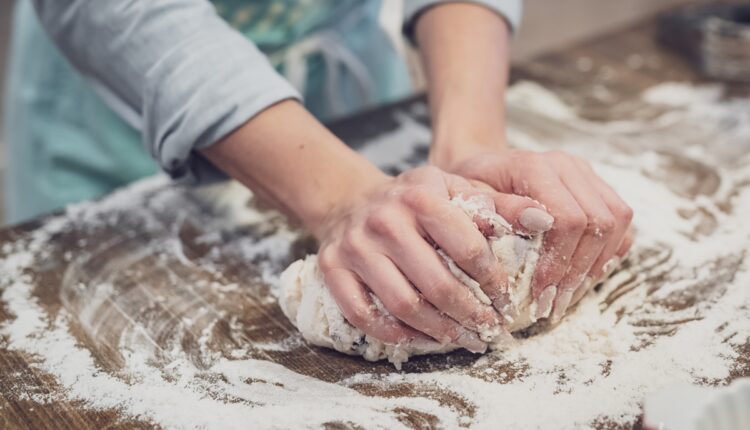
65	145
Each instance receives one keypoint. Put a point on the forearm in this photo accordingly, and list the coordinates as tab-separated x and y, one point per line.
465	54
285	155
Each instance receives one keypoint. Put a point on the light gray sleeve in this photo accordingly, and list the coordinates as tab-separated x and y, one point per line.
172	68
511	10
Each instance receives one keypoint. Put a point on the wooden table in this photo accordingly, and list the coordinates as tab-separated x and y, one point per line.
159	251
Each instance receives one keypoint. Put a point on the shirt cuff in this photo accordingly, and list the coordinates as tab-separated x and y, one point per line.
229	83
510	10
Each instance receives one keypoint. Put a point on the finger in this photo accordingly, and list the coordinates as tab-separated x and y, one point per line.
406	304
597	234
421	264
455	233
590	282
561	241
442	287
623	216
523	213
626	244
358	308
480	207
588	285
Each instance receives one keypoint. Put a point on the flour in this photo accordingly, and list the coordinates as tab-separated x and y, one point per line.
678	312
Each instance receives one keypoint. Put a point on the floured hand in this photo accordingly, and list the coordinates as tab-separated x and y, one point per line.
383	241
306	299
592	223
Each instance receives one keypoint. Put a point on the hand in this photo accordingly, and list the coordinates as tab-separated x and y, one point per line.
383	240
591	221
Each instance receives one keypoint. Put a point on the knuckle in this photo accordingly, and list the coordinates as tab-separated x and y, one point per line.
352	241
383	221
404	306
326	258
416	198
420	173
623	212
472	251
558	155
360	317
531	157
572	221
484	316
429	170
445	291
601	226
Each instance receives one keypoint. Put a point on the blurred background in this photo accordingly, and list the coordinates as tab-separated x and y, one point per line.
547	25
5	15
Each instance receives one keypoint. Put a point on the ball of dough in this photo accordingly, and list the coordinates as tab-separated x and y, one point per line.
307	303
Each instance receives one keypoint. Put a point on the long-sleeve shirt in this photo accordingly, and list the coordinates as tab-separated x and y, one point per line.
175	70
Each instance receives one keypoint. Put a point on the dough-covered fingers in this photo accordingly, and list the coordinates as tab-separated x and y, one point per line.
358	308
540	176
617	247
560	242
428	272
627	242
458	236
406	304
622	215
387	237
598	234
590	282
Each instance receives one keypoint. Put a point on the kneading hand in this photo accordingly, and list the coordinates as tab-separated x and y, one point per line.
383	240
591	221
467	73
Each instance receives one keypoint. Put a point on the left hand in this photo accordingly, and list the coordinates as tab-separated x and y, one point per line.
591	224
465	52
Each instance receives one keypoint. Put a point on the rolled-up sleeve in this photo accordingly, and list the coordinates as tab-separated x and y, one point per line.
172	68
511	10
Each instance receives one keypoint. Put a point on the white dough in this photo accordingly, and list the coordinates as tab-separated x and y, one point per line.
307	303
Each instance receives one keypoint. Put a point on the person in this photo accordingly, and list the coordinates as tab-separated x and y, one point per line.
202	83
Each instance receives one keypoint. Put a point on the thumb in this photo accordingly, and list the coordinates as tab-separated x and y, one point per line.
523	213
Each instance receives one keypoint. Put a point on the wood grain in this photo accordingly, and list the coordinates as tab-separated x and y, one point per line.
129	253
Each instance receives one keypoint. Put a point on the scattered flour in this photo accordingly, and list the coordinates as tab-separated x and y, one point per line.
679	311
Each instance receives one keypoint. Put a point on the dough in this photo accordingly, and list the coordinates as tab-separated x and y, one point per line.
307	303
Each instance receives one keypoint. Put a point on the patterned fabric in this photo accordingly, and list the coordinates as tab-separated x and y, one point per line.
273	25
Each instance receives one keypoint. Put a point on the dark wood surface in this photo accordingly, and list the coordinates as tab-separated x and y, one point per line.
110	245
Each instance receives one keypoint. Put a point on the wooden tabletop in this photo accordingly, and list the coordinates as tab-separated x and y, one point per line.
166	239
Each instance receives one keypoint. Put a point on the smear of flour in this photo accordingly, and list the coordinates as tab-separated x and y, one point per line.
638	334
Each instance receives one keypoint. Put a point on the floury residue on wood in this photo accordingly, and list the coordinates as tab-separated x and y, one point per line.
157	303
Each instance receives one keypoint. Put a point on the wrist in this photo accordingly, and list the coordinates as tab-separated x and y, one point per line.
321	211
466	123
303	170
451	147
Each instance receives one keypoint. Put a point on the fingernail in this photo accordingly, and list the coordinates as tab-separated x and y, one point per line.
588	283
470	341
536	220
562	305
544	302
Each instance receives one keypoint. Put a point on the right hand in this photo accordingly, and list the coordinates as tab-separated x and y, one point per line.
383	241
